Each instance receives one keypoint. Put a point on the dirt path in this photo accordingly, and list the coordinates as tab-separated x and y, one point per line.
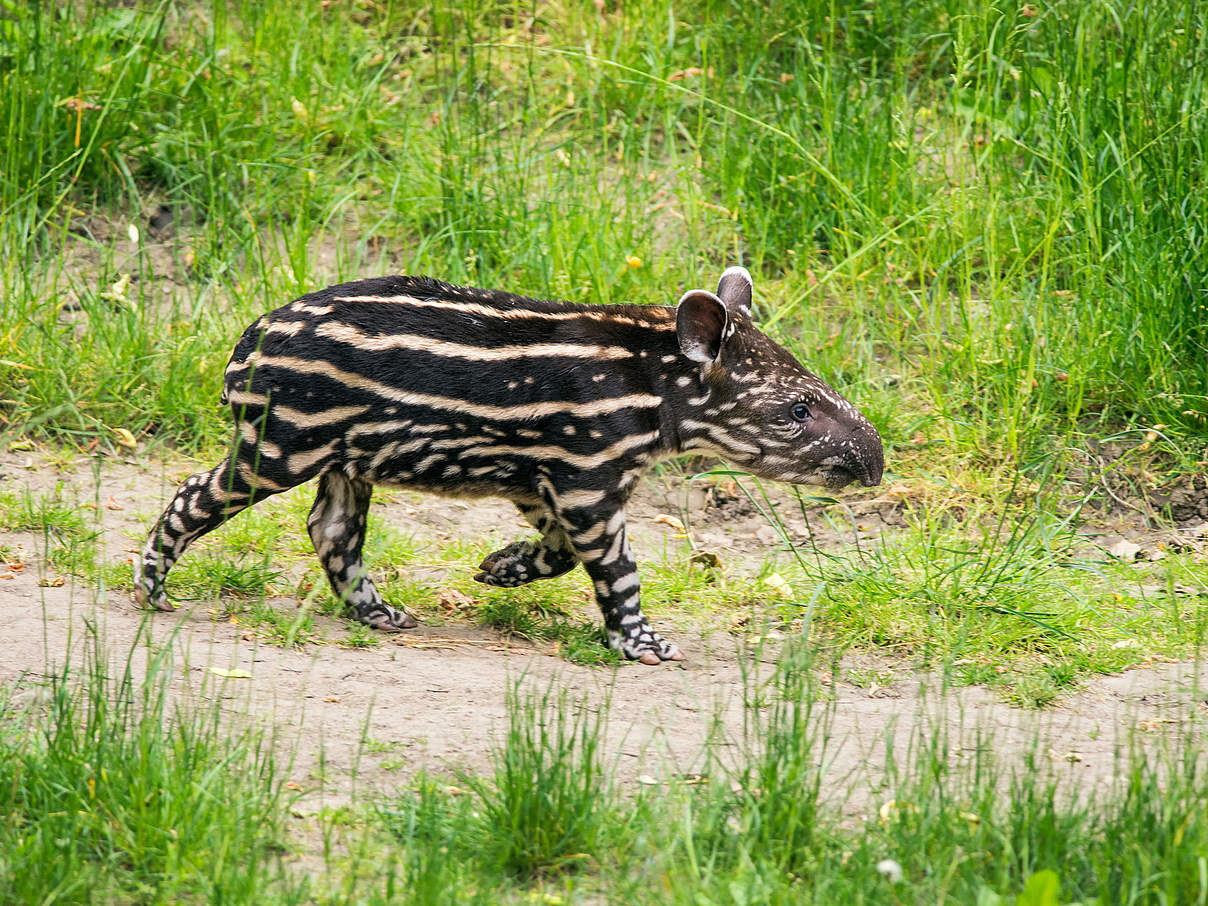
435	698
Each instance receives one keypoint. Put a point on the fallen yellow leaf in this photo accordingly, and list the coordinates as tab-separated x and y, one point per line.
230	674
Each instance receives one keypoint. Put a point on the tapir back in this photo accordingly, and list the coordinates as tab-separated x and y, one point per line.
413	381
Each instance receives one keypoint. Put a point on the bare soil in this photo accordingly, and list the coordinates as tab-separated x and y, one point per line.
435	698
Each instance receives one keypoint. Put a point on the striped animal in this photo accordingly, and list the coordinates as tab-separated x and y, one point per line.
559	407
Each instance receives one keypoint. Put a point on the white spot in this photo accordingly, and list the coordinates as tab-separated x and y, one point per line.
891	870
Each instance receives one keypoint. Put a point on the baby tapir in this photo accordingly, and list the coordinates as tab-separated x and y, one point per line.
558	407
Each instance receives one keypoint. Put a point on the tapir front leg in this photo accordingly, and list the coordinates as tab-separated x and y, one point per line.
597	534
523	561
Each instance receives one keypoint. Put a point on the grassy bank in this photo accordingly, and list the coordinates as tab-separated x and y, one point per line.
984	223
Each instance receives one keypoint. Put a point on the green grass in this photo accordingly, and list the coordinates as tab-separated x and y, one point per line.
1012	596
992	213
972	828
958	822
110	792
205	577
537	613
59	521
113	791
549	805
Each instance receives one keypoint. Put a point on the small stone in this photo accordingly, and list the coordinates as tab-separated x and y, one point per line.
1125	550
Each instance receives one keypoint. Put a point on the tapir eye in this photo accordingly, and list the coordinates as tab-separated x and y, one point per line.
801	412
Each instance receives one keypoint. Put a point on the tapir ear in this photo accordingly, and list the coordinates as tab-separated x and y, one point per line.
734	289
701	324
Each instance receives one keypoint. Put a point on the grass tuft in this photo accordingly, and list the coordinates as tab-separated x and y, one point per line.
111	792
549	806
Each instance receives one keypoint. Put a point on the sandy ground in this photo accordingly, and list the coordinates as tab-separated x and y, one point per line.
435	698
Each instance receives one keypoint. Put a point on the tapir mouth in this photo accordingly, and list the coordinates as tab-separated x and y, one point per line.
837	477
830	477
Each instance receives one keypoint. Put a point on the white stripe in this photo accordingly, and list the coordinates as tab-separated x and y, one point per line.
263	448
344	333
577	500
256	481
288	328
549	451
523	412
428	461
584	538
243	398
301	306
300	419
397	449
614	549
625	583
300	462
376	428
727	442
